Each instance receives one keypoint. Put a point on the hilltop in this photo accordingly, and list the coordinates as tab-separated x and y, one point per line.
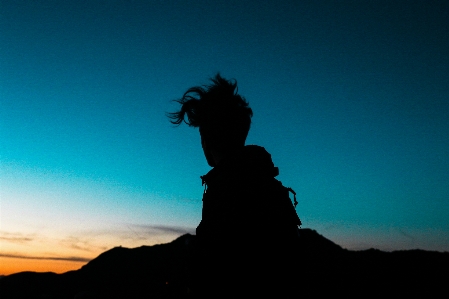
165	271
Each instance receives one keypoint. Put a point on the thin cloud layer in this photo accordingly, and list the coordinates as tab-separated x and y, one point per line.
165	229
53	258
15	237
81	243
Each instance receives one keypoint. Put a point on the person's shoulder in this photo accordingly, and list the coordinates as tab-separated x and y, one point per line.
254	147
259	160
256	152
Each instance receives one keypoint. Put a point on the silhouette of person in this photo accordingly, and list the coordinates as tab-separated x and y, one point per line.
244	247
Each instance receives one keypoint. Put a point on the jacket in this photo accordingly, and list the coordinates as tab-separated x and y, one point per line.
244	230
233	199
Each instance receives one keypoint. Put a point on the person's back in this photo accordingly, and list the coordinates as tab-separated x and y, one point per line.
245	238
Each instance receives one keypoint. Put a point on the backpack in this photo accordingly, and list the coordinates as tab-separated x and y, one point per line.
292	207
268	212
286	210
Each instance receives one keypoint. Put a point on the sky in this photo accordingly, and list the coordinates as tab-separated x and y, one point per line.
350	98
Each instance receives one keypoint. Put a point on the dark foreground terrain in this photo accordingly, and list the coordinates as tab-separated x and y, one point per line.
164	271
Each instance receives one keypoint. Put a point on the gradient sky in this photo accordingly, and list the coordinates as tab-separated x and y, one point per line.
351	98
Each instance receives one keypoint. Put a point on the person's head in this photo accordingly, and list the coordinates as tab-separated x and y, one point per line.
221	114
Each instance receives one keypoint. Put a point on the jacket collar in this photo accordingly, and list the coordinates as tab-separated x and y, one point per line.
251	160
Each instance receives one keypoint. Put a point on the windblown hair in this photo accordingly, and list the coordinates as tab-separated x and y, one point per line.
221	114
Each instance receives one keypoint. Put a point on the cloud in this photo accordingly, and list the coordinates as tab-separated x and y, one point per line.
67	258
125	234
93	241
81	243
15	237
163	229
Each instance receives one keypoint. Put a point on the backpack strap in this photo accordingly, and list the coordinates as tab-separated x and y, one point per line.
295	202
290	207
203	183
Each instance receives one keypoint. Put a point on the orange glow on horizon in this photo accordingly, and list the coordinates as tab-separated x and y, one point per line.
15	265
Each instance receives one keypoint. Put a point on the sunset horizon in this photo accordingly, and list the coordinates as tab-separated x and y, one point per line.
350	99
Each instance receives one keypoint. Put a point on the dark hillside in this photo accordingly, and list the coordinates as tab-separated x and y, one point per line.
166	271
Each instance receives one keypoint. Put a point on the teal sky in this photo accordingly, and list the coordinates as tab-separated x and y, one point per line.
351	98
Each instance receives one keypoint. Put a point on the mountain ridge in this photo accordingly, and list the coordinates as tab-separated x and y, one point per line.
165	271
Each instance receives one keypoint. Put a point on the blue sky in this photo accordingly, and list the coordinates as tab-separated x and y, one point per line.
351	98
